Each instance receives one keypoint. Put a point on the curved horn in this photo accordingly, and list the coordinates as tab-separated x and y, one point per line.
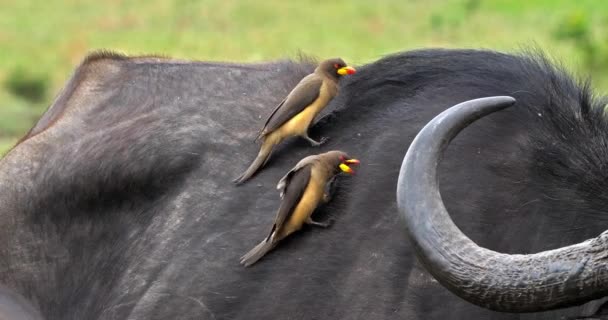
503	282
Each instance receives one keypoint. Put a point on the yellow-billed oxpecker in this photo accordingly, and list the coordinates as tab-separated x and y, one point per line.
295	113
302	189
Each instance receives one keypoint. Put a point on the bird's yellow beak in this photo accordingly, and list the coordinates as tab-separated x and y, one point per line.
345	168
346	70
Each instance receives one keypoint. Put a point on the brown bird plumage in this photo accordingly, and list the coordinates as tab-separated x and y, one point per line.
302	189
293	116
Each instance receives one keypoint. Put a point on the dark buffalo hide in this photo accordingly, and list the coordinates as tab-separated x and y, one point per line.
119	204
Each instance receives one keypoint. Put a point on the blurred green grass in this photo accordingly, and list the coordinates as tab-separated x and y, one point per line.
42	41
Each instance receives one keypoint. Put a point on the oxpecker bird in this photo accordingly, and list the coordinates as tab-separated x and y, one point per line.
302	189
295	113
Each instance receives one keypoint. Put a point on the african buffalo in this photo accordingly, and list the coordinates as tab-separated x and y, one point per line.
118	204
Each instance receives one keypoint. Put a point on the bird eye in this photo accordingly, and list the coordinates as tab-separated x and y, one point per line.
336	66
342	159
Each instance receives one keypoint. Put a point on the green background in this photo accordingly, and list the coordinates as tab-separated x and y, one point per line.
41	42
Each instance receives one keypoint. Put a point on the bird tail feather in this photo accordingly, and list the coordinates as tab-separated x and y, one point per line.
257	252
259	161
260	134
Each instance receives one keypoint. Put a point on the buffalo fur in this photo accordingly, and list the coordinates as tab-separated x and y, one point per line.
118	203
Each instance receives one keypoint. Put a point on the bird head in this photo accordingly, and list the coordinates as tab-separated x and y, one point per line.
336	68
345	161
340	161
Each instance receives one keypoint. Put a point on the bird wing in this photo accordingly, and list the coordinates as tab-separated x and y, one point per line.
296	182
287	177
304	94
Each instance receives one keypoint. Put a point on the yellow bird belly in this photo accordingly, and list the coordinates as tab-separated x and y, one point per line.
298	125
308	203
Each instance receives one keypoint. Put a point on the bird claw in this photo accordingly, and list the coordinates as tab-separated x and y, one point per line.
316	143
320	142
320	224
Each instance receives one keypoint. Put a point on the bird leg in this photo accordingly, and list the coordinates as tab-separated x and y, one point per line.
315	143
318	224
330	188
